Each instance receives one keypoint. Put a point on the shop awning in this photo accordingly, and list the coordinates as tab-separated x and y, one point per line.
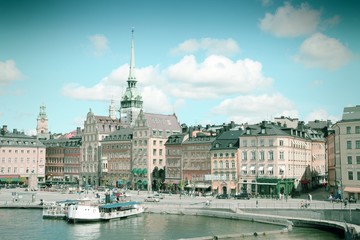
270	168
144	171
243	168
261	168
134	171
282	168
252	168
202	185
352	189
145	182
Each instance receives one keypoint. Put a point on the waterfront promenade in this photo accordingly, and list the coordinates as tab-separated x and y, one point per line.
320	212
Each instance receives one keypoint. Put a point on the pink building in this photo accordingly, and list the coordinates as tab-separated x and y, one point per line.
22	159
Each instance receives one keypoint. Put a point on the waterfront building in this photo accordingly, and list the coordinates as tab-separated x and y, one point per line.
174	163
22	158
275	159
225	162
333	169
42	129
63	159
131	102
197	162
151	131
116	155
96	128
347	153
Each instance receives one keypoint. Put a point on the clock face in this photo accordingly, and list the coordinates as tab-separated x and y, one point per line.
42	120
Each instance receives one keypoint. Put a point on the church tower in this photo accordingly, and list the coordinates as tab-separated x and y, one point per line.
131	102
42	130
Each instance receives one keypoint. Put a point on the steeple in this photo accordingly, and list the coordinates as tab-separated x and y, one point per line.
132	59
131	102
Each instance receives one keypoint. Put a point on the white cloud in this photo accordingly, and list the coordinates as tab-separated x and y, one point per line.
253	108
9	72
99	44
165	91
289	21
321	114
266	3
211	46
322	51
216	76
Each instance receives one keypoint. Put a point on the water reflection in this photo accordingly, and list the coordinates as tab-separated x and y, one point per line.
87	231
28	224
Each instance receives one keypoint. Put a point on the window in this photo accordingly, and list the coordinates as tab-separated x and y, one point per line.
215	165
348	145
221	164
160	161
262	143
358	176
160	152
253	143
154	161
253	155
154	152
350	175
282	170
154	142
227	164
271	155
349	159
245	143
244	155
253	170
357	159
357	129
281	155
271	142
357	143
232	164
215	155
348	130
262	155
281	143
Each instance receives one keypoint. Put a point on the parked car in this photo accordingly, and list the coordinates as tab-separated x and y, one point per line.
152	199
242	196
159	195
222	196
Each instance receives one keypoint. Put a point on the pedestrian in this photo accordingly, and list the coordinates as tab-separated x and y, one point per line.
257	204
310	197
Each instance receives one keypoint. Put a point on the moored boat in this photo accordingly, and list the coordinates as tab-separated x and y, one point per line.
57	210
90	211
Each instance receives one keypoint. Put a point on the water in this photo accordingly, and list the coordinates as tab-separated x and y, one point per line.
28	224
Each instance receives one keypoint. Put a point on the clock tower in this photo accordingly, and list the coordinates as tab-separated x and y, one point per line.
42	130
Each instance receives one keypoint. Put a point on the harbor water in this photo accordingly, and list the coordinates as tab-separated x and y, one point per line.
28	224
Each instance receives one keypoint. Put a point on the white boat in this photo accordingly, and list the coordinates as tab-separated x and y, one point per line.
90	211
57	210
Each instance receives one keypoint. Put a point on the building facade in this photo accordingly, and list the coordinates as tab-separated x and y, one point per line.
347	153
225	163
116	155
22	158
174	163
151	131
96	128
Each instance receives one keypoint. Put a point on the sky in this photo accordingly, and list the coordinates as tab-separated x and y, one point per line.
207	61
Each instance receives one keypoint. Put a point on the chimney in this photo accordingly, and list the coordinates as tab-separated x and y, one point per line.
78	131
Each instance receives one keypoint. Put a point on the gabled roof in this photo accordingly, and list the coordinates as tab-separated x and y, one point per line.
176	139
162	121
227	140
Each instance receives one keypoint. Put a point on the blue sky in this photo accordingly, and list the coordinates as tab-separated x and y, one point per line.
208	61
